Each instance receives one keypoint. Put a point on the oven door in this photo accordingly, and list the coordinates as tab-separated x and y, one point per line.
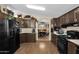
71	35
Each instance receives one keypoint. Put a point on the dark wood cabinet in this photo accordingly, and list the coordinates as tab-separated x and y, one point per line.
56	22
71	17
27	22
30	23
27	37
77	16
67	18
54	39
71	48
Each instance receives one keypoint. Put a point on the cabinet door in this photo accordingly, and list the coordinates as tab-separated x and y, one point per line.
71	17
33	23
29	23
59	22
54	21
71	48
54	39
77	16
63	19
67	18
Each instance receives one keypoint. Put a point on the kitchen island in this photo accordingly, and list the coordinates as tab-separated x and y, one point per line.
26	35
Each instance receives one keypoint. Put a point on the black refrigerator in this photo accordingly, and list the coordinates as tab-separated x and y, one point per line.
9	36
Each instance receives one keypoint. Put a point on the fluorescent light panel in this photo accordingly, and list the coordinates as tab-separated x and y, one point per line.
35	7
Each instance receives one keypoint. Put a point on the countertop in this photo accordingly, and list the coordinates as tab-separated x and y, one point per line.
75	41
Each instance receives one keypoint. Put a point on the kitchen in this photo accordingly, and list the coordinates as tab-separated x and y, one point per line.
61	27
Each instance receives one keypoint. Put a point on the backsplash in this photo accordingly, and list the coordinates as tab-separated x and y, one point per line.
26	30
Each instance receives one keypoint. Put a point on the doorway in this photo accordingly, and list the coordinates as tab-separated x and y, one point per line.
43	32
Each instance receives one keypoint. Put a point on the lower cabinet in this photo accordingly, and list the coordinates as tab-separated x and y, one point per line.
77	51
60	42
27	37
72	48
54	39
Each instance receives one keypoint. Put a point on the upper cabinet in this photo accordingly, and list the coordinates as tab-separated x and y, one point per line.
27	21
3	8
3	11
55	22
30	21
68	18
76	13
71	16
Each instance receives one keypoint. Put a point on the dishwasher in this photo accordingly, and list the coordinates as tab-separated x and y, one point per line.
62	44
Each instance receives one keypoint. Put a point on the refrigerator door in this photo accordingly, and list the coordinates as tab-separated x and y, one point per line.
14	36
4	36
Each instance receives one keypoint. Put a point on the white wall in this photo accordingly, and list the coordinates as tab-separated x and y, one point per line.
36	31
50	30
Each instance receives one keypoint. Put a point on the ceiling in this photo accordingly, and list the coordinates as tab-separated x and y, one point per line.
52	10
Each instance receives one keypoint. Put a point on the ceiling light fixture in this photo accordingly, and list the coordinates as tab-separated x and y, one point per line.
35	7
